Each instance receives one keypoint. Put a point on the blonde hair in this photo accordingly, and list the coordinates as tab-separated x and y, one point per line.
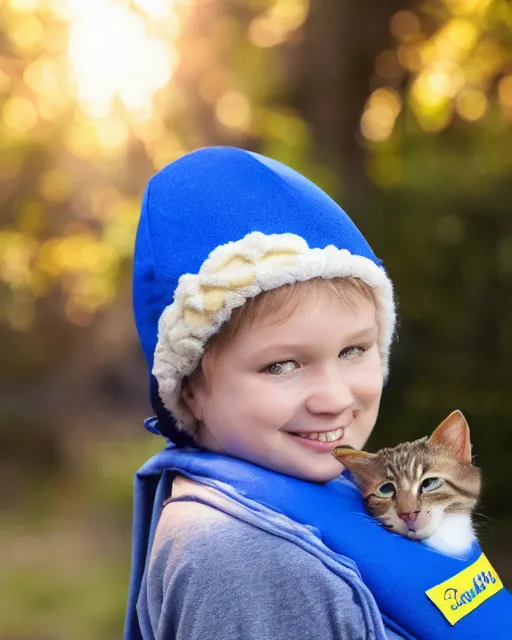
280	303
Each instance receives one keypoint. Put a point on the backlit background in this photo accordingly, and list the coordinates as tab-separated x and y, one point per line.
401	110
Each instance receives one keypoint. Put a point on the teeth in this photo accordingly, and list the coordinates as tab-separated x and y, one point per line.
326	436
334	435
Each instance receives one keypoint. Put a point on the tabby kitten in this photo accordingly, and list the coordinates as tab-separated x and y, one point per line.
424	490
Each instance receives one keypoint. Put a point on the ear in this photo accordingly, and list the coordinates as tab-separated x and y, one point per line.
352	458
191	395
359	463
453	433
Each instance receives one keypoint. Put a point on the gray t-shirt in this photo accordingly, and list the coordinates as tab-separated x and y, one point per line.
214	577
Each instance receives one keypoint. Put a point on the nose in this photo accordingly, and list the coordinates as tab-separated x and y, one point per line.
408	516
331	393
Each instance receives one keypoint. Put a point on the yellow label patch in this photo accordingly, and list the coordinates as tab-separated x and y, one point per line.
458	596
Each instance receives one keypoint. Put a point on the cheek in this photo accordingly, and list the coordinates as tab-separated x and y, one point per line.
271	399
437	514
248	400
435	502
371	385
385	511
367	381
378	508
367	394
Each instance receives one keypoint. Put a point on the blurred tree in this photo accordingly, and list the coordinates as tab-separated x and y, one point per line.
331	86
401	110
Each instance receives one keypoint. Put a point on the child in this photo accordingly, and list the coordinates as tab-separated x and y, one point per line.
266	321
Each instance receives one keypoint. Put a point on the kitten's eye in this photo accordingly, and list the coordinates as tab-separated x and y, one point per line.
386	490
429	484
278	368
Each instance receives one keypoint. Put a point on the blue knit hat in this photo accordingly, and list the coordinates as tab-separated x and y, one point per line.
219	226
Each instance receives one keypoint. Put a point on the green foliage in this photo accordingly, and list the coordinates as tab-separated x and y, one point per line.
47	602
65	551
434	134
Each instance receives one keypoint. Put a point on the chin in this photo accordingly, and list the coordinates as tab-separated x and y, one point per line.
426	531
421	534
320	476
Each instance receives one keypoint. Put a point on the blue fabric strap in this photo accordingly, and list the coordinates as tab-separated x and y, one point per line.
397	571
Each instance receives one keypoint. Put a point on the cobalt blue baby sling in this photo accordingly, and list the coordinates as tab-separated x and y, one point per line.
397	571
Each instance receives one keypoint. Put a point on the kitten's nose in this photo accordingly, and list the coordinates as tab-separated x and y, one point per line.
410	516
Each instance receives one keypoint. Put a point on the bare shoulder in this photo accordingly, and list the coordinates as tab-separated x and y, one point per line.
187	520
207	535
193	525
197	537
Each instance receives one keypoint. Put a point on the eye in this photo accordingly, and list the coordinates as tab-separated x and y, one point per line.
386	490
278	368
352	352
429	484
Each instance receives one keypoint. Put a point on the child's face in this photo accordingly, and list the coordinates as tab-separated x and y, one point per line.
317	371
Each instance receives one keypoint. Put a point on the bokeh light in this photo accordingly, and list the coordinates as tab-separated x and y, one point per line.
113	55
450	71
233	110
380	114
88	74
276	25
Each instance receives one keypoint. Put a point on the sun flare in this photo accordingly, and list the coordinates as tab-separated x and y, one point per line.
120	52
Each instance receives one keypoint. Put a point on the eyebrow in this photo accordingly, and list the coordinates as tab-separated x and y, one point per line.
367	333
363	334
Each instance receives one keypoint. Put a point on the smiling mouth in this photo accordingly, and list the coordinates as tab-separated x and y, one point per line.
323	436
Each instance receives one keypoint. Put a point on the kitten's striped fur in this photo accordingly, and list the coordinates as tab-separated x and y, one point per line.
424	490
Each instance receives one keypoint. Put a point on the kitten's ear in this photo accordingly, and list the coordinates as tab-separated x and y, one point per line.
453	433
359	463
352	458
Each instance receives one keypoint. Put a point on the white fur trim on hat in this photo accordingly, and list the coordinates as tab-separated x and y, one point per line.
240	270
